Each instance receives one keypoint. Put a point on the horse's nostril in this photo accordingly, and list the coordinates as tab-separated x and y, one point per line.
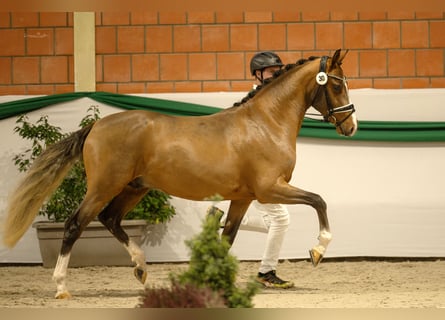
352	131
348	132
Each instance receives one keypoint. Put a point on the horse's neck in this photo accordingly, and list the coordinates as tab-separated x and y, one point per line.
285	102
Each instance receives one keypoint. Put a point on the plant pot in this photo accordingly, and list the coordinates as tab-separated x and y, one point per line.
96	246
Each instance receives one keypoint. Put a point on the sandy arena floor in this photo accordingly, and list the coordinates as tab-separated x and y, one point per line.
333	284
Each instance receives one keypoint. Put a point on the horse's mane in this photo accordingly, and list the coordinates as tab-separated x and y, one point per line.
278	73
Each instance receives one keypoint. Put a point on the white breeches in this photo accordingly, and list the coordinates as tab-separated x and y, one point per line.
272	219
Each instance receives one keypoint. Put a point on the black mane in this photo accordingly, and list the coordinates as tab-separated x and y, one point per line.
278	73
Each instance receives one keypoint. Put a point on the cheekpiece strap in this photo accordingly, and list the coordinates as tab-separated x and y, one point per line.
322	77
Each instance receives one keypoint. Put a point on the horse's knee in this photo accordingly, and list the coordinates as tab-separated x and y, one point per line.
318	203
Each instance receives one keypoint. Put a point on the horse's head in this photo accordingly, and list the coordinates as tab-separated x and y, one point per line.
332	98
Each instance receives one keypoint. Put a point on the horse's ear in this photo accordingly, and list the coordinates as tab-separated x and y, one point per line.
338	57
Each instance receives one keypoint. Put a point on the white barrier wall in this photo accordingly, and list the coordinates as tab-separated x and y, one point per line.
384	198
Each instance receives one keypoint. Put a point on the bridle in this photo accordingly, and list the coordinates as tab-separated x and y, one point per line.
322	79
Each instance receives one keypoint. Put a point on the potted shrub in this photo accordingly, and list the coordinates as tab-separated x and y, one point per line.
154	208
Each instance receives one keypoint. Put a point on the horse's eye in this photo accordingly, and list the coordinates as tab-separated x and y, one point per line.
337	87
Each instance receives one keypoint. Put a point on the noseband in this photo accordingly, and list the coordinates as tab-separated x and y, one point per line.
322	79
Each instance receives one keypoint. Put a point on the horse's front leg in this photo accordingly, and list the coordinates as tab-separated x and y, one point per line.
235	215
286	194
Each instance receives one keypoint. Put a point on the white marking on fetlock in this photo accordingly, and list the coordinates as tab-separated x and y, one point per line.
136	253
59	276
324	239
138	257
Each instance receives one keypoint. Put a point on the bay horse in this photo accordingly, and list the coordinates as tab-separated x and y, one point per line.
242	153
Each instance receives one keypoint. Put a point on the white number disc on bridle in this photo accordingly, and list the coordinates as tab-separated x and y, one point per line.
321	78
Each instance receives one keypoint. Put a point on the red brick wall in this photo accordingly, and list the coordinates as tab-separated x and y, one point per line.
36	53
206	51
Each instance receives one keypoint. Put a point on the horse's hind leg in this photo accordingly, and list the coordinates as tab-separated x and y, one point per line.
74	226
111	218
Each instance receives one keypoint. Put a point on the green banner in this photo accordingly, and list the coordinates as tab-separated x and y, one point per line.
368	130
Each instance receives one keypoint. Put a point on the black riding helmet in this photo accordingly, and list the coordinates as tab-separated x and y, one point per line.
263	60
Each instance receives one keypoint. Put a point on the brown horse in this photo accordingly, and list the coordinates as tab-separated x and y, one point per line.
242	153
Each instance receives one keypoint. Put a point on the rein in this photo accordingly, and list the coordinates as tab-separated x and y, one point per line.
322	79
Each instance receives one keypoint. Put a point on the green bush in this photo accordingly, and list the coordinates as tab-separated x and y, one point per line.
211	267
154	207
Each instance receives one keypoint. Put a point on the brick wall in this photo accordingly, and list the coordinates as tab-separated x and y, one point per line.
206	51
36	53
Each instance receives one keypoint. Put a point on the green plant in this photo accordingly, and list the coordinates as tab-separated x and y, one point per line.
211	267
154	207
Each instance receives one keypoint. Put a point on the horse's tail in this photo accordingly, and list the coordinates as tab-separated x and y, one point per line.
40	181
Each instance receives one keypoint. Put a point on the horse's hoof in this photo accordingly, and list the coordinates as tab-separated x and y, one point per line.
140	274
315	257
63	295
